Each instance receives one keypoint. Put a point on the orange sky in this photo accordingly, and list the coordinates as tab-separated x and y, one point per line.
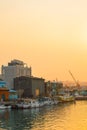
49	35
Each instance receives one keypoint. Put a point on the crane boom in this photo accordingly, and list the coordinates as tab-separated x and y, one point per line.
74	78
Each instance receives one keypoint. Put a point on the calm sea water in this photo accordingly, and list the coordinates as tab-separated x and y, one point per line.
69	116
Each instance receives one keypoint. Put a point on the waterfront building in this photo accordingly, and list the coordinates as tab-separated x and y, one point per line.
53	88
15	68
13	95
4	91
29	86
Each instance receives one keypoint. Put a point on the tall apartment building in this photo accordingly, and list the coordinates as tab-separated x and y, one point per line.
15	68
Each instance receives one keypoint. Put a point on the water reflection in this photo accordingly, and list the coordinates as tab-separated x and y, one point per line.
68	116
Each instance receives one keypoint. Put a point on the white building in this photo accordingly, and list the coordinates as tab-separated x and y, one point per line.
15	68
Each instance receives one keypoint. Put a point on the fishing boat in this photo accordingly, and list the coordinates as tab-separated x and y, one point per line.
34	104
2	106
23	105
66	98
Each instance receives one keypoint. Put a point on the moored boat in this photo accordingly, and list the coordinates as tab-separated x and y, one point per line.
66	98
2	106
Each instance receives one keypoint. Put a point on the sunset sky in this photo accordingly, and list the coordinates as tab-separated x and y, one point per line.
49	35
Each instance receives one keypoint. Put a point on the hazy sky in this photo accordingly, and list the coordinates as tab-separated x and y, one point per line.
49	35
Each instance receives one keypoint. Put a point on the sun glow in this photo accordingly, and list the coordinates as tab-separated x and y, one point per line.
51	35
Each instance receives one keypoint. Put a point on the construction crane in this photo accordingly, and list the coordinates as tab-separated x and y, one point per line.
77	84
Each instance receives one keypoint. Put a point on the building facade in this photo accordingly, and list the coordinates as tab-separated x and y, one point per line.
52	88
15	68
29	86
4	91
13	95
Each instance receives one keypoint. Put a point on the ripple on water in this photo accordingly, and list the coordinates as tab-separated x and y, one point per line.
62	117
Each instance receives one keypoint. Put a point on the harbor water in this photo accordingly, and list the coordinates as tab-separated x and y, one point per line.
66	116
